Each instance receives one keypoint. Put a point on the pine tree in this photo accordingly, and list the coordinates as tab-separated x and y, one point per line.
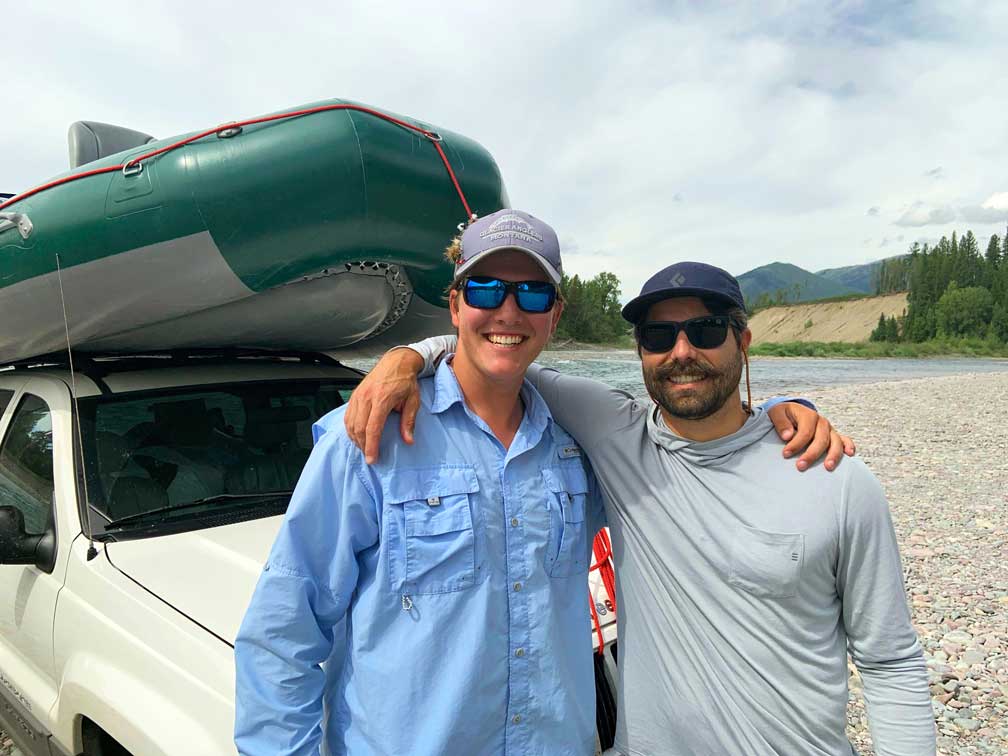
993	255
999	323
991	262
970	268
879	334
892	329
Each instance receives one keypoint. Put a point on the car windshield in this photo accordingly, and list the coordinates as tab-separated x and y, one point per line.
157	450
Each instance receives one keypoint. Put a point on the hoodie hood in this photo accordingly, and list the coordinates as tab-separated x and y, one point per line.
707	453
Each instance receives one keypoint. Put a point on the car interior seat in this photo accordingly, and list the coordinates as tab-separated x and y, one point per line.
132	494
276	457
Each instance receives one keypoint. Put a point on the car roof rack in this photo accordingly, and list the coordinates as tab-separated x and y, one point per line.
98	365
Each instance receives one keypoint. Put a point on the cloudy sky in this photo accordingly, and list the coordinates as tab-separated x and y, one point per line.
817	133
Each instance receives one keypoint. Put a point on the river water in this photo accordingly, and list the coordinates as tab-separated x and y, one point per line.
775	375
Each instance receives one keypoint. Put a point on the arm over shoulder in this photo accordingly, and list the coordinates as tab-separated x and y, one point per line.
589	410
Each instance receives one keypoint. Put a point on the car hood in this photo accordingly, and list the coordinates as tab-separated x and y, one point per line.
208	575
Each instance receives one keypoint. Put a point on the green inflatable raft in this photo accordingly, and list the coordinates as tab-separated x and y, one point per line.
320	228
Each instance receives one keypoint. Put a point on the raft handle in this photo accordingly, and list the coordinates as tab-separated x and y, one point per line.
132	169
20	220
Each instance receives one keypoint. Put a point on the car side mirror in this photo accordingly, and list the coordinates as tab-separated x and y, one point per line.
16	546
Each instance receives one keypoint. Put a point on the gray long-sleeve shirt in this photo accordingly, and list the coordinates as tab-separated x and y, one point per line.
742	585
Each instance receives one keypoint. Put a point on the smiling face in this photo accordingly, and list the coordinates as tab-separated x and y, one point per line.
686	382
498	345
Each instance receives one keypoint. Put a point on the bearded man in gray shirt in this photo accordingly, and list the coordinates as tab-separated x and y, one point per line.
742	583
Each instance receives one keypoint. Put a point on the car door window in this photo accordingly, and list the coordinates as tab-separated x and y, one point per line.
26	464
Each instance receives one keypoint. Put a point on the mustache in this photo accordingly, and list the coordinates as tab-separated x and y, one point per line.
679	369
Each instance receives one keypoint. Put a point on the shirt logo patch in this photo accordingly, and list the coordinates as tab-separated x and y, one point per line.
568	452
434	501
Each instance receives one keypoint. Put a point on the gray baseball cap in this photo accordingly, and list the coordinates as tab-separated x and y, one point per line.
511	229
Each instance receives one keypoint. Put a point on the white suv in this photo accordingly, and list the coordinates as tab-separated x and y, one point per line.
122	642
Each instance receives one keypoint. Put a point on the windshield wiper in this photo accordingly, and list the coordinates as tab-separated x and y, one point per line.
166	512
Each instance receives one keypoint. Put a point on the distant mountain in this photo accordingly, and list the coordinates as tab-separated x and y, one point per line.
790	283
778	279
859	277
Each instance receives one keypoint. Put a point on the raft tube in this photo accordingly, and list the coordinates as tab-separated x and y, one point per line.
321	232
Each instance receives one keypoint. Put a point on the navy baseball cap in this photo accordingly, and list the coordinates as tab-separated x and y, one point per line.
685	279
510	229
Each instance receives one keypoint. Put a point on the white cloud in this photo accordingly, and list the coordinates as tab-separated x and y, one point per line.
998	201
992	210
919	214
984	214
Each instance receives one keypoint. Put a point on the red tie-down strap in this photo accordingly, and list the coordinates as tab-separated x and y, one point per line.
432	136
604	564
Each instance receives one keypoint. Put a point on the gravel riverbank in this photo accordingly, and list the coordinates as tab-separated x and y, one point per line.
940	448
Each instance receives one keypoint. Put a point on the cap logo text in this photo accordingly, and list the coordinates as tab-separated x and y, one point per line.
513	226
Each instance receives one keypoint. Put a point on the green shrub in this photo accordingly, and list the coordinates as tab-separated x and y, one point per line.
940	347
964	312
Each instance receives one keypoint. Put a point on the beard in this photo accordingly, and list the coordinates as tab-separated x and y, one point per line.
694	403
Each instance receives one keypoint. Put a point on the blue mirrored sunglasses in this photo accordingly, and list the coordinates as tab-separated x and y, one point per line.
486	293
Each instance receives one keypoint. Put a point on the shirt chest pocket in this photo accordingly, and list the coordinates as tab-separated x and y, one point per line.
767	565
429	529
567	549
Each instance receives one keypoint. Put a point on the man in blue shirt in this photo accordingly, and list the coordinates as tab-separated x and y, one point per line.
435	601
445	588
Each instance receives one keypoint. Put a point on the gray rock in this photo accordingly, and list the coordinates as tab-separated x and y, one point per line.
970	725
958	637
972	657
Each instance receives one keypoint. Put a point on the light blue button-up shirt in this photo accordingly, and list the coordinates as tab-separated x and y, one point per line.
442	590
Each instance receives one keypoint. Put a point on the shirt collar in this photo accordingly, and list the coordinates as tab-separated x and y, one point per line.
447	393
703	453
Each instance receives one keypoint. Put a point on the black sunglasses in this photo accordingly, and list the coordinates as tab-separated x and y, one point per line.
705	332
486	293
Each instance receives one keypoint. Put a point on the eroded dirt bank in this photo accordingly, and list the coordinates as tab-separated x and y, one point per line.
825	321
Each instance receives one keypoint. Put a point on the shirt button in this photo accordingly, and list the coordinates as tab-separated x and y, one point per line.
516	718
517	586
520	652
514	522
